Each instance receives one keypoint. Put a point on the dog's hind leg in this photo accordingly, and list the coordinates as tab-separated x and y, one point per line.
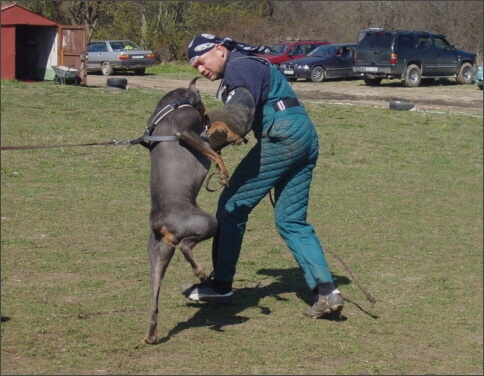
186	247
201	226
160	254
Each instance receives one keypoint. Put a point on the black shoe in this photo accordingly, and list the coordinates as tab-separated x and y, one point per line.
204	292
325	305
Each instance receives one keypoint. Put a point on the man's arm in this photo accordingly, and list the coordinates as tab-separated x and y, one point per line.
229	125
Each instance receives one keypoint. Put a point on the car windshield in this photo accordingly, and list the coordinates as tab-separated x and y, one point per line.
325	50
278	49
124	45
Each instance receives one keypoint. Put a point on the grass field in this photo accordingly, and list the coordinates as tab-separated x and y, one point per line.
397	194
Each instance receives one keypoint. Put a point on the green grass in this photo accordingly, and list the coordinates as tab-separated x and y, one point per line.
397	194
178	70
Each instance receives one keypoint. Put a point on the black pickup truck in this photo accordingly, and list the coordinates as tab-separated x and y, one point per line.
411	56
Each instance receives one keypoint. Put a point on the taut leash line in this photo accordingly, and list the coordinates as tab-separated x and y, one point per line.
107	143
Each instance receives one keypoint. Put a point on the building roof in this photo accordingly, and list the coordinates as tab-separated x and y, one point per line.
13	14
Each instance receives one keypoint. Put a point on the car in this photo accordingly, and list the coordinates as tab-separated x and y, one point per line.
478	76
109	56
325	62
412	57
281	52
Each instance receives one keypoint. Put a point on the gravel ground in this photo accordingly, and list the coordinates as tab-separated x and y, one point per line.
442	96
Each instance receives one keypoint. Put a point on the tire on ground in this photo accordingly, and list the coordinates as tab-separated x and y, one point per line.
401	105
119	83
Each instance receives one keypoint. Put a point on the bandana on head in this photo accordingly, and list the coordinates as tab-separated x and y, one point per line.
205	42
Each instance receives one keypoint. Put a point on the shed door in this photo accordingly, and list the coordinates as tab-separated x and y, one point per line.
72	48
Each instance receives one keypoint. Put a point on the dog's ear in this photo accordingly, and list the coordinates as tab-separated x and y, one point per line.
192	86
198	104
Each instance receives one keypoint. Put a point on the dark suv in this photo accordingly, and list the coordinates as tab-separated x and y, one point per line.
411	56
288	50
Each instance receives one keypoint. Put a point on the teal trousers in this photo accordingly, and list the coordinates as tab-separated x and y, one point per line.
283	159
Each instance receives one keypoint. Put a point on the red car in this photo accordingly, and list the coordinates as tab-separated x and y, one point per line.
288	50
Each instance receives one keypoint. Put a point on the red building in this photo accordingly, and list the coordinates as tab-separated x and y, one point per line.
31	44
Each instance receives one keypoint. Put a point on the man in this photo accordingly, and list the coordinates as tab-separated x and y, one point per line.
258	97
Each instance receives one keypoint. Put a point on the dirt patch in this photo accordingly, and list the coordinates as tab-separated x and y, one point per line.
442	95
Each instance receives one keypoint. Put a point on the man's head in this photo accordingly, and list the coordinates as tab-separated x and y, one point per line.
207	55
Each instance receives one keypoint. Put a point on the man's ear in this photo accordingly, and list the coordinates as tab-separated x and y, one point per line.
221	50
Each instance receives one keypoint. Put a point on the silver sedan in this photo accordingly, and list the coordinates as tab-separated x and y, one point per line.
109	56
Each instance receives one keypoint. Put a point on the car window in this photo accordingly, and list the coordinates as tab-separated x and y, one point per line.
380	40
405	41
97	47
311	47
344	51
279	48
320	51
123	45
116	46
424	42
297	50
128	45
441	43
333	50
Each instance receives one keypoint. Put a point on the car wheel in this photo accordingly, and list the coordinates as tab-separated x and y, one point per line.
139	72
372	81
479	86
119	83
466	74
413	76
107	69
318	74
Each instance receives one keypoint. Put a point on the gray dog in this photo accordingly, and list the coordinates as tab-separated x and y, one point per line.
177	138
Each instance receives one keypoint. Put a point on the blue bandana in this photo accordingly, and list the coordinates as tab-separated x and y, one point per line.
205	42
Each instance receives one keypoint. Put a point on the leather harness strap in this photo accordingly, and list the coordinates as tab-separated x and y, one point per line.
146	139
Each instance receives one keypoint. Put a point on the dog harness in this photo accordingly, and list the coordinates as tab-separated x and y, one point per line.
147	139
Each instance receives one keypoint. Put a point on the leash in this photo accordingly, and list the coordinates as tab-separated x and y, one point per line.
147	139
144	140
107	143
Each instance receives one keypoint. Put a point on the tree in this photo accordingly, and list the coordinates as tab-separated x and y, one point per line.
166	27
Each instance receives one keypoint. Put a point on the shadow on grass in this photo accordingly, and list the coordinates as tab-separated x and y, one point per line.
286	281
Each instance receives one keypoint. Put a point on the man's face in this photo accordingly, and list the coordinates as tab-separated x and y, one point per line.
211	64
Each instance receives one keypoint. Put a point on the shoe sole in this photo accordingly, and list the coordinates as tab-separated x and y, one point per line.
224	299
211	299
316	315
